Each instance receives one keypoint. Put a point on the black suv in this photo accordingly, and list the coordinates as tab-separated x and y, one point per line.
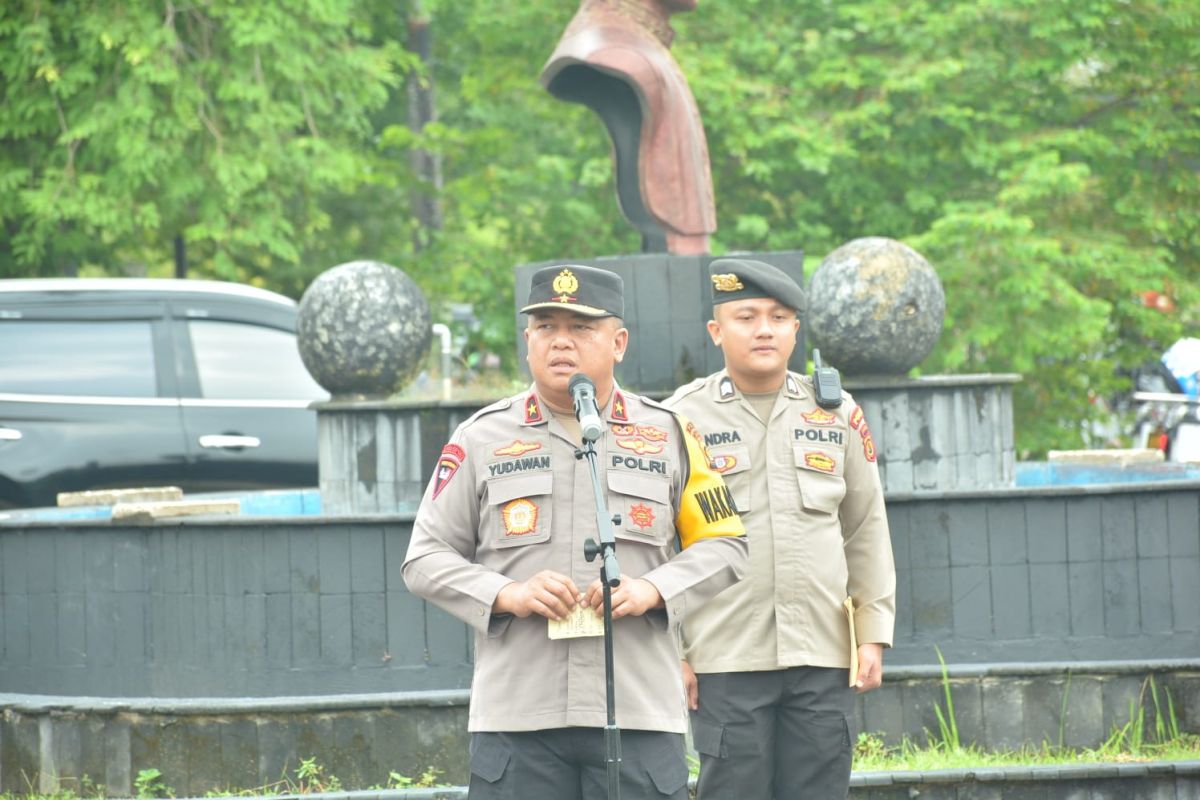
111	383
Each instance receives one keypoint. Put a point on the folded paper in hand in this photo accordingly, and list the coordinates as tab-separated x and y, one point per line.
583	621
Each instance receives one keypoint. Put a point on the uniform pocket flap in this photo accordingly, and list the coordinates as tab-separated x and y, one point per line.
490	759
819	459
708	737
730	460
641	486
501	490
819	473
668	774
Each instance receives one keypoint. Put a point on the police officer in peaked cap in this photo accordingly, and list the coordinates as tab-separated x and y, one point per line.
498	542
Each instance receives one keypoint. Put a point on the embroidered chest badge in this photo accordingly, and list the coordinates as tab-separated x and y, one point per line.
651	433
520	517
641	515
723	463
640	446
820	461
449	461
517	448
819	416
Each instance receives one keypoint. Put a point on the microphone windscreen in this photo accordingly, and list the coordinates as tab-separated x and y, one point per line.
579	379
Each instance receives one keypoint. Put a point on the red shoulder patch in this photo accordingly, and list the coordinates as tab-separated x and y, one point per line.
619	412
533	409
449	461
868	443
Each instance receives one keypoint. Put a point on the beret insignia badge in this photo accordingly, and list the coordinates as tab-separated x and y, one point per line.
727	282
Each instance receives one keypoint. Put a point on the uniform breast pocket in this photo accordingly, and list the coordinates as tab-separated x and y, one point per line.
819	471
733	464
519	510
644	504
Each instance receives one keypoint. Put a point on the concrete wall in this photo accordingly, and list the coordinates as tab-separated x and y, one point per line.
316	605
211	745
931	433
1048	574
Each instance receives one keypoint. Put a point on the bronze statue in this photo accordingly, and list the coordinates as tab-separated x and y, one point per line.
614	57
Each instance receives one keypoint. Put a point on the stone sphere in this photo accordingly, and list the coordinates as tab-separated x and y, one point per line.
363	329
875	306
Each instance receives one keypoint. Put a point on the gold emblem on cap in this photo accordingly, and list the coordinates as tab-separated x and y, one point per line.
566	282
727	282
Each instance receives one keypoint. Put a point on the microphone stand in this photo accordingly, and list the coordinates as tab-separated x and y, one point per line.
610	576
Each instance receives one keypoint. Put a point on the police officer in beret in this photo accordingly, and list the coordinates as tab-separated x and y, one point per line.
499	543
769	664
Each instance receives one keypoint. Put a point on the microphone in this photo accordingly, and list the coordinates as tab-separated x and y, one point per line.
583	395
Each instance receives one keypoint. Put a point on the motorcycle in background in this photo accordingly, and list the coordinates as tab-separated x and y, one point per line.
1167	397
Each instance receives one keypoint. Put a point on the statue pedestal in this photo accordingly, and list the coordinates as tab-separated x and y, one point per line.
940	432
368	457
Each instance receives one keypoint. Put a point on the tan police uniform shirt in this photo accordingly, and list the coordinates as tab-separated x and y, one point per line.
509	499
807	486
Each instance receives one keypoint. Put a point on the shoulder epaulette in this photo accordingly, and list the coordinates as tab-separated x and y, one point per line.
659	404
499	405
688	388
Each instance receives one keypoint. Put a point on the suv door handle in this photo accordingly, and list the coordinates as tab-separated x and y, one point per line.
228	441
9	434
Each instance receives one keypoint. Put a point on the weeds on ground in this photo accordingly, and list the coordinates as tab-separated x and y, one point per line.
1129	741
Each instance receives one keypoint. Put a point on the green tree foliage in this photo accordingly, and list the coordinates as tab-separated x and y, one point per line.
1043	154
228	124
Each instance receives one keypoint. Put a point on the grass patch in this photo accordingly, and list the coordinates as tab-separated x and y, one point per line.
1130	741
871	754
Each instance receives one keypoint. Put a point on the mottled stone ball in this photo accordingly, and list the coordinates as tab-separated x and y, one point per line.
875	306
363	329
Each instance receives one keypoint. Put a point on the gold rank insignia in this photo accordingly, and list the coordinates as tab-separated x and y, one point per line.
727	282
565	283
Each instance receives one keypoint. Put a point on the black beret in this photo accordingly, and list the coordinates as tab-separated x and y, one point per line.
743	278
589	291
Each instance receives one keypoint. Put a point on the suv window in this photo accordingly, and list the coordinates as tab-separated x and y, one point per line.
109	358
240	361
